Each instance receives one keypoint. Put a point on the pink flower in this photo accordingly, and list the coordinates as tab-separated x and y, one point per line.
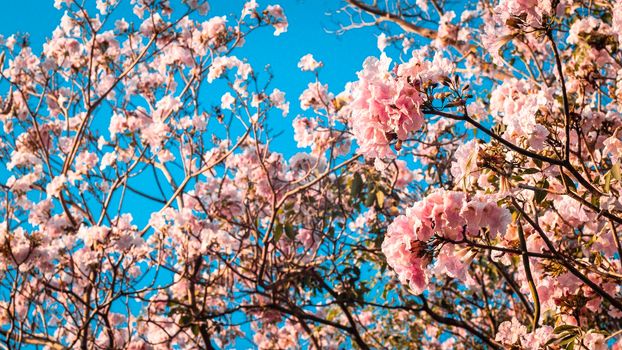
613	148
405	176
481	212
510	332
107	160
402	250
316	96
366	318
85	161
446	30
104	5
154	134
214	28
445	214
308	63
19	244
226	101
595	341
59	3
303	131
93	234
277	98
465	163
249	8
279	21
451	261
382	41
571	210
586	25
533	10
538	338
121	25
55	186
222	63
384	107
518	102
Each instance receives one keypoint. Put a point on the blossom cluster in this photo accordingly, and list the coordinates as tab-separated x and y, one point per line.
385	107
449	215
386	102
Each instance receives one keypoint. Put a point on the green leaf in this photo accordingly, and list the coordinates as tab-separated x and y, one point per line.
570	185
539	196
371	198
278	231
607	185
332	314
380	198
356	185
185	320
538	162
615	171
289	231
564	328
595	200
567	340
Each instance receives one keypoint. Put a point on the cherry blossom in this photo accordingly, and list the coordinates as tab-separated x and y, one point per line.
384	107
308	63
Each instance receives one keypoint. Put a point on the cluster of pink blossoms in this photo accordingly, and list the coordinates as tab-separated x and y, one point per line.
512	332
386	102
533	11
446	214
384	107
517	103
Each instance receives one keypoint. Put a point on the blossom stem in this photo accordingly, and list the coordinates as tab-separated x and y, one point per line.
558	63
456	323
513	285
616	239
532	284
562	163
614	302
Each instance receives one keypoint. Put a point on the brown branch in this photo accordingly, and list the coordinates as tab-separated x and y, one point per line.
464	48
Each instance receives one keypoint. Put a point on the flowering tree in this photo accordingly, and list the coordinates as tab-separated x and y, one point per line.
465	195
